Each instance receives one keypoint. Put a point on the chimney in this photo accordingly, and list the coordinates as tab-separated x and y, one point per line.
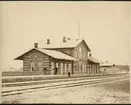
69	38
48	41
35	45
64	39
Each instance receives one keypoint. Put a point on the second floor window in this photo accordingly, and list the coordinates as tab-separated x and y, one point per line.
80	52
76	53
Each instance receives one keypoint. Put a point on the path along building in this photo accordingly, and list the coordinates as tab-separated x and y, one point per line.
72	55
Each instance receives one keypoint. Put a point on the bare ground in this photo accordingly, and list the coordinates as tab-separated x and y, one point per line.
111	92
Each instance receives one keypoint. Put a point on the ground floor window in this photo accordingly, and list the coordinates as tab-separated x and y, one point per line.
65	68
52	67
80	68
96	69
61	68
74	68
40	66
77	68
69	66
32	65
87	69
57	64
57	68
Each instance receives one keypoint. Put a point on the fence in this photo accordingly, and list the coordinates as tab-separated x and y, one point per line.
23	73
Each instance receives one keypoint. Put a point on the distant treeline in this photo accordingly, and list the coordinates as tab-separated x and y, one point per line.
125	67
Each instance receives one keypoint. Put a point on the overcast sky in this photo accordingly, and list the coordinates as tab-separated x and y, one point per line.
103	25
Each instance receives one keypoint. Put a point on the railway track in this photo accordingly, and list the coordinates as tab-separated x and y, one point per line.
25	83
63	85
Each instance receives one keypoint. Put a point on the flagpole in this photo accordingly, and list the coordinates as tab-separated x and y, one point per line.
78	29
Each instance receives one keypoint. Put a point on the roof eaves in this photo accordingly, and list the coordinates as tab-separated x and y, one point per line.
86	45
57	57
93	60
20	57
57	47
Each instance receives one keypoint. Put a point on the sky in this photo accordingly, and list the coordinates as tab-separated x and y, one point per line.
103	25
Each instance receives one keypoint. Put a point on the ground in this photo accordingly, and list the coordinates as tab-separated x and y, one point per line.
109	92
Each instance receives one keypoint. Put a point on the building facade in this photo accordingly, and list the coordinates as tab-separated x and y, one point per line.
69	56
106	67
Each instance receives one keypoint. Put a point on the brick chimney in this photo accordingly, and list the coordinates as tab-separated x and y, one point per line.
48	41
64	39
69	38
35	45
89	54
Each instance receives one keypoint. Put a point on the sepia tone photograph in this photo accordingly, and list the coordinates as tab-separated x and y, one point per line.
65	52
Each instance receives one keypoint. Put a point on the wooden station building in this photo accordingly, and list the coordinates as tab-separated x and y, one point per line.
72	55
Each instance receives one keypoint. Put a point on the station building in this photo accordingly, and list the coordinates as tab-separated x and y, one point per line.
72	55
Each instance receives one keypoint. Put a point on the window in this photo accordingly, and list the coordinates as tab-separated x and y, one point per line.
76	53
80	52
32	65
80	49
69	67
61	68
57	64
65	67
40	64
52	68
52	65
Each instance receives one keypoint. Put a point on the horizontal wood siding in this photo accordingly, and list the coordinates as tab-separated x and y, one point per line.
64	50
35	56
80	68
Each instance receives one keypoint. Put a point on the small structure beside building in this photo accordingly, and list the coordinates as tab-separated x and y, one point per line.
106	66
71	55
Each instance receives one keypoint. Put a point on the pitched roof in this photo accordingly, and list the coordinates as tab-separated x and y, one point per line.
68	44
93	60
52	53
106	64
57	54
